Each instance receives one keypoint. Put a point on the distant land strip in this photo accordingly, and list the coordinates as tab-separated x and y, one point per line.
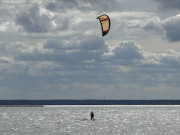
21	105
38	103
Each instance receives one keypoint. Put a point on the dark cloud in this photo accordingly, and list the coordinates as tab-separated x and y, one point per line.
90	48
92	43
36	21
87	43
69	66
169	4
93	50
32	21
171	26
168	27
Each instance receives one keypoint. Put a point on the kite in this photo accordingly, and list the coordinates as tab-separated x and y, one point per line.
105	23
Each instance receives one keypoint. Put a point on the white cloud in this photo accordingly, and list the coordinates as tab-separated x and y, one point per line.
5	60
4	26
127	51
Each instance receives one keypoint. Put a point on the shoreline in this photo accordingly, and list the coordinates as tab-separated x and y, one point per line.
41	103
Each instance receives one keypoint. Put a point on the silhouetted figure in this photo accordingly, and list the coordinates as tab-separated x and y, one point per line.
92	115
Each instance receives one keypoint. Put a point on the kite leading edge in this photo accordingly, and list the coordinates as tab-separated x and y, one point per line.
105	23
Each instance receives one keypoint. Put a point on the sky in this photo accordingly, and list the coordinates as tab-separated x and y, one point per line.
53	49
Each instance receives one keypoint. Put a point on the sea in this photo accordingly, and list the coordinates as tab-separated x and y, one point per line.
75	120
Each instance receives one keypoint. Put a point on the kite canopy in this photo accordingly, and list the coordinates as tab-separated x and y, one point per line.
105	23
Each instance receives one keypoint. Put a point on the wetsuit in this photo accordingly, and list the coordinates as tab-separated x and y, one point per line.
92	116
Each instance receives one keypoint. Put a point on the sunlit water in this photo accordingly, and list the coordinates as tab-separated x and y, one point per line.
109	120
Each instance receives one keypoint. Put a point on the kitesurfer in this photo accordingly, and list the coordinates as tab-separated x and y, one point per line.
92	115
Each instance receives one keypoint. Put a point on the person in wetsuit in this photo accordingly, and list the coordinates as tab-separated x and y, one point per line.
92	115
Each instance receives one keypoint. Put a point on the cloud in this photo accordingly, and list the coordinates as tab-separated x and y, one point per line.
169	4
97	52
7	26
168	27
126	52
5	60
171	59
85	5
55	17
61	50
38	20
171	26
53	49
61	66
136	25
32	21
154	24
92	43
